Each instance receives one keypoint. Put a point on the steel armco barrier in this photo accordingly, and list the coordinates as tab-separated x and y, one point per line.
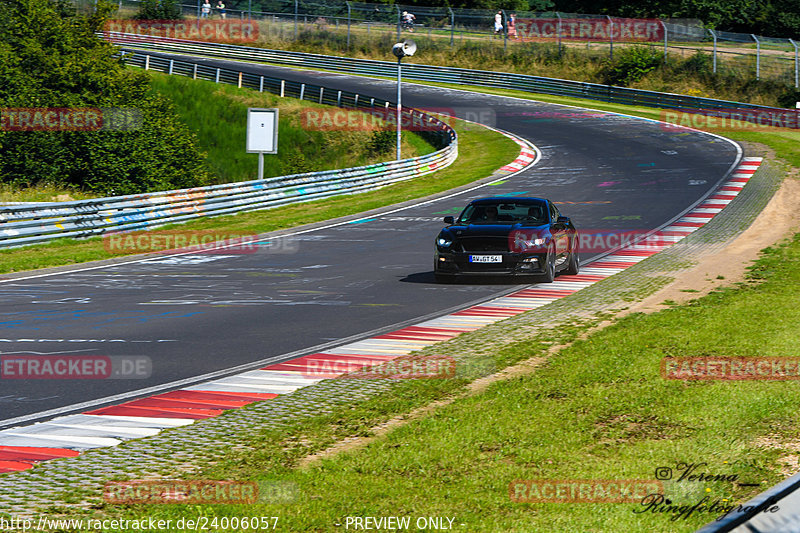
36	223
411	71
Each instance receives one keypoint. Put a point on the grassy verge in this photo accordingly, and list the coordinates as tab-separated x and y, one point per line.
217	114
481	152
597	410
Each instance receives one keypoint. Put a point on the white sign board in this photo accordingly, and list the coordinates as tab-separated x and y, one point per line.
262	130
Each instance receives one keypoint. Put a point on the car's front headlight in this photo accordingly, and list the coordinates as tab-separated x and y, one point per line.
444	242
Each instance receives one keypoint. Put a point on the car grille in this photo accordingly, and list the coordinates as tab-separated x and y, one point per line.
484	244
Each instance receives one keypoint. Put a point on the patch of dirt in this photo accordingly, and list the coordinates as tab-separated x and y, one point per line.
790	462
632	427
378	431
780	219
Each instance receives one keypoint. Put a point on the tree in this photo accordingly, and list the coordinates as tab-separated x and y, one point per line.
51	58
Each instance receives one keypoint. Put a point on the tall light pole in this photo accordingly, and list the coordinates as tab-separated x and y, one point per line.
401	50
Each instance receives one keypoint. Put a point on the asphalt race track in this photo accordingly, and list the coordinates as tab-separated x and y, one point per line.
201	313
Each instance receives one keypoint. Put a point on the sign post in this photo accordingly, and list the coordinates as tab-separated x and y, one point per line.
401	50
262	134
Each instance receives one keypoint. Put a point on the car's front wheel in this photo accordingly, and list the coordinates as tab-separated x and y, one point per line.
549	266
574	265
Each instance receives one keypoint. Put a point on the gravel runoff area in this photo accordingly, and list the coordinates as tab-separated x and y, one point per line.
77	481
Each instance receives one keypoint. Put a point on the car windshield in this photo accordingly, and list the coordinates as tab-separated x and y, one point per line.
504	213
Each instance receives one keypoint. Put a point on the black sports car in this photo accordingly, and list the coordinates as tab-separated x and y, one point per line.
505	235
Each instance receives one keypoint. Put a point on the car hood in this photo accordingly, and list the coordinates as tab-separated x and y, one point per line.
490	230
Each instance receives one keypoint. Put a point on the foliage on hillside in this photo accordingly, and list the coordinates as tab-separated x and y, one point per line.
50	58
765	17
217	113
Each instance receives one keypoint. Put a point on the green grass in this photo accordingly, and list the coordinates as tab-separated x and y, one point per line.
217	114
481	152
41	193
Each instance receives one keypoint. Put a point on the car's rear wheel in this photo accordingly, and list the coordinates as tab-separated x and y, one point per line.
549	266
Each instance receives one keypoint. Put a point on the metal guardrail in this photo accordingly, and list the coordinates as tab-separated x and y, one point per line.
36	223
459	76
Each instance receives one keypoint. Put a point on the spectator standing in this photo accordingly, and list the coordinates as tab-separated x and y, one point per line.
221	9
498	23
205	9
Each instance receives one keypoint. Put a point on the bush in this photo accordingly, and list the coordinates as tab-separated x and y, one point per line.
698	63
381	142
789	97
159	10
630	65
295	163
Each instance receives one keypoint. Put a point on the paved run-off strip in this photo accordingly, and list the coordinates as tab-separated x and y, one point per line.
22	447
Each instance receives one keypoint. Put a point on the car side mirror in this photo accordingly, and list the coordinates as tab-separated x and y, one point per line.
563	220
449	220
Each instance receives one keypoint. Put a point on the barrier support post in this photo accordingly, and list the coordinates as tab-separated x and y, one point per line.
558	31
714	36
758	56
348	24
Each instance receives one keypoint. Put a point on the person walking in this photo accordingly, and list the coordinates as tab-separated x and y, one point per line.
408	21
512	25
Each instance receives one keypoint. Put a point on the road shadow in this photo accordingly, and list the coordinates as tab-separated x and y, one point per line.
505	281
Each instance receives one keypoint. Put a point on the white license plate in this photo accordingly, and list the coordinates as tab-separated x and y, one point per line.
486	259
